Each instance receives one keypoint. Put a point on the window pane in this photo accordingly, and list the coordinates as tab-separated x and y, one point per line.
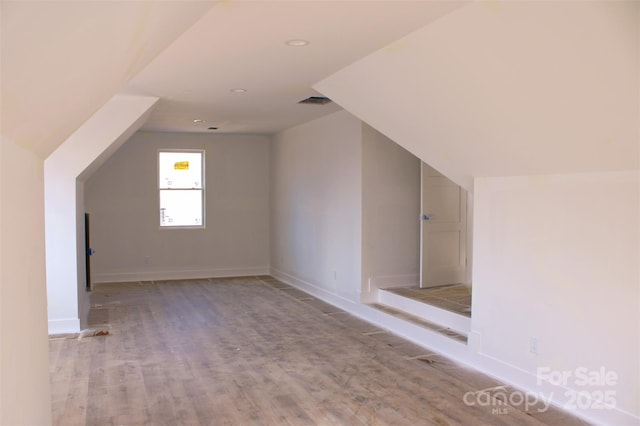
181	207
180	170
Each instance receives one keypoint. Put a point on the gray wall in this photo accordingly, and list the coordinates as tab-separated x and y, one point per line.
390	212
122	198
344	209
316	205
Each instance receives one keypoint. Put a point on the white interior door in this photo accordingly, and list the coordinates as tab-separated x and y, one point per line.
443	230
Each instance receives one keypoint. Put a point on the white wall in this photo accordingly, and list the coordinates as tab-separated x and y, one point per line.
316	205
556	258
547	91
25	396
390	212
84	303
122	198
69	164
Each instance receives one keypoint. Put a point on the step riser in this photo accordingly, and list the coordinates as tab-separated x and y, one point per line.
459	323
420	335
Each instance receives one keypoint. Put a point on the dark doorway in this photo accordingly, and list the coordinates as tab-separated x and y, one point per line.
87	250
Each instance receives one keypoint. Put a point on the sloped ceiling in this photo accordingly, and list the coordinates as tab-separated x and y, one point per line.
241	44
507	88
475	89
62	60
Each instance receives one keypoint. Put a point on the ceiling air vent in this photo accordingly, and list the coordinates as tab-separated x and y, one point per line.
315	100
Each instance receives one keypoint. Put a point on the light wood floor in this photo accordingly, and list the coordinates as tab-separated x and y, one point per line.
248	351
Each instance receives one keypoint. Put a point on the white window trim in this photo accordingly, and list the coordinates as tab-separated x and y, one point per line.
203	189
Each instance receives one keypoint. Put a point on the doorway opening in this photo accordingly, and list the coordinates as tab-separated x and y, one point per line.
88	251
440	298
445	244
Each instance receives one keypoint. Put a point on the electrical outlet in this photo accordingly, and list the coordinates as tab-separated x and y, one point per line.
534	345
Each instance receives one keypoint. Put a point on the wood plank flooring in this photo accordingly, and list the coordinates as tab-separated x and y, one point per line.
253	351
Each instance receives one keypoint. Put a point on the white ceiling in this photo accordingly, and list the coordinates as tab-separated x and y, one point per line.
241	44
508	89
63	60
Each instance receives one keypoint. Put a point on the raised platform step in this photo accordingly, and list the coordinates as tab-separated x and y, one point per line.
444	318
446	331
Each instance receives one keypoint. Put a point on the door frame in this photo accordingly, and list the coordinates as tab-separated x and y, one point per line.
465	240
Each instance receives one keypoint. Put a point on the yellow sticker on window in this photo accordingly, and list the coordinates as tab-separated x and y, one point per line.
181	165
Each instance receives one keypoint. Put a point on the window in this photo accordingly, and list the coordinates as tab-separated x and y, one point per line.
181	188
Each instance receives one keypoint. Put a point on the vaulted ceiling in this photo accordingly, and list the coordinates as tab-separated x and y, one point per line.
62	60
508	88
242	45
474	88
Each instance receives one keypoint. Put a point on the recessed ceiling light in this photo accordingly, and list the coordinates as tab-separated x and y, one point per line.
238	90
297	43
197	120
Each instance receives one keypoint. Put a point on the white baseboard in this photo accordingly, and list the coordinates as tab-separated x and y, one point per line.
186	274
314	290
423	337
470	355
64	326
